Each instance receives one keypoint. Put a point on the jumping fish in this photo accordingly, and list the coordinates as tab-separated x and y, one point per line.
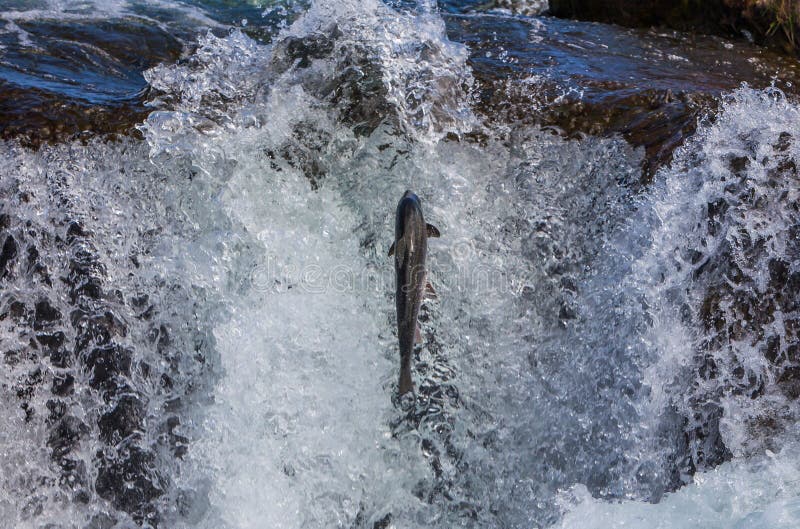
409	248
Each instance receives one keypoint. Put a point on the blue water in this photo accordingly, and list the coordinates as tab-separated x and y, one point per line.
97	51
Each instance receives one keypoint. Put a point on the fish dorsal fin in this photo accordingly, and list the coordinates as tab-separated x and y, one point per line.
433	231
391	250
417	334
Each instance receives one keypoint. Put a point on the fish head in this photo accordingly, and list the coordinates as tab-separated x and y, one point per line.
409	214
409	203
410	194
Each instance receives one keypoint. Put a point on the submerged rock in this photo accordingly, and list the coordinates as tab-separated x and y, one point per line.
82	77
577	78
78	378
730	221
33	117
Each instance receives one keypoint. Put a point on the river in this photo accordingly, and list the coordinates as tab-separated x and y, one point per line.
197	321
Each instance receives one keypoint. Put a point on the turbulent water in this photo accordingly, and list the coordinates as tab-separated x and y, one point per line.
197	320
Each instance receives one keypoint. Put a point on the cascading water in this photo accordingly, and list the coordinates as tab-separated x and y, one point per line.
197	326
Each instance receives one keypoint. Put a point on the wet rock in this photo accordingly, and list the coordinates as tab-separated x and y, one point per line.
302	153
774	23
11	357
102	521
123	420
96	329
52	117
83	339
106	365
40	272
74	232
7	254
66	436
707	16
127	478
83	279
749	305
45	316
58	408
27	385
383	523
178	444
61	358
574	78
63	384
16	310
707	448
74	477
51	343
52	111
300	51
361	94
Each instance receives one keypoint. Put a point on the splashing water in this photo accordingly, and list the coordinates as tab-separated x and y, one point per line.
206	315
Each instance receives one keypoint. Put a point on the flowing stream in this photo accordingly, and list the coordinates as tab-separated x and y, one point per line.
197	323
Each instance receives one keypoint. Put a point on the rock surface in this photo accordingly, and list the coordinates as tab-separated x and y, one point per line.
773	23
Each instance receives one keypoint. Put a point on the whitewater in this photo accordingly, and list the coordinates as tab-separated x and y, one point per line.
197	321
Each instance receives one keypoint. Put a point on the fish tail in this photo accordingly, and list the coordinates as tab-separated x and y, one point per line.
406	384
406	359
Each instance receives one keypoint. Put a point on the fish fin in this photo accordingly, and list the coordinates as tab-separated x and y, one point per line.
433	231
417	335
391	250
430	293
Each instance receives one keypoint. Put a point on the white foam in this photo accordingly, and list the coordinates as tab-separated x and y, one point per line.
556	274
83	10
743	494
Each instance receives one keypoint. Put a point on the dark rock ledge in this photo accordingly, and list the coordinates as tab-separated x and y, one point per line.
771	23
